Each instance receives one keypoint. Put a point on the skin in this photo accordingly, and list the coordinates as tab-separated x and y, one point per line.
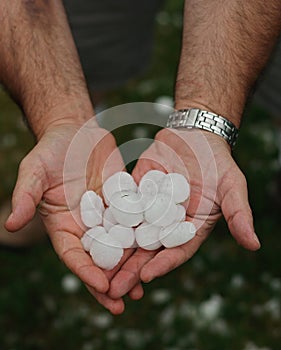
41	70
225	46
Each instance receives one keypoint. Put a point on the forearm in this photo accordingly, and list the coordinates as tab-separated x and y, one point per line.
39	64
225	46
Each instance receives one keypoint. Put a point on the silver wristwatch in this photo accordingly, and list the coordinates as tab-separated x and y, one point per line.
197	118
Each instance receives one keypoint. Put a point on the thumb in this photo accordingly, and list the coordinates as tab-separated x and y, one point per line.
237	211
27	194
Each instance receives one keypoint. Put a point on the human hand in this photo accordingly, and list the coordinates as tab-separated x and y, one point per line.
217	187
55	174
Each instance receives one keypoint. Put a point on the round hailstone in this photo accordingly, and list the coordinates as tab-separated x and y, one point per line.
148	193
70	283
91	209
150	182
181	213
127	208
149	187
147	201
177	234
162	212
125	235
120	181
176	186
147	236
108	220
163	104
106	252
90	235
126	219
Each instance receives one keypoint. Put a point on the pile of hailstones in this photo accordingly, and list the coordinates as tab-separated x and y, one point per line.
148	216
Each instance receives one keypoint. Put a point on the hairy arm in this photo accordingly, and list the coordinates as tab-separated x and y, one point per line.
39	64
225	46
226	43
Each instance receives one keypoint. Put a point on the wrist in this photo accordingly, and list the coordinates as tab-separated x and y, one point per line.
189	96
65	113
210	107
195	118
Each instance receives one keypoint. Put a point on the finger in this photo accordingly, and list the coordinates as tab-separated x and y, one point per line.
129	274
27	195
107	160
115	306
237	212
143	166
150	160
170	258
70	251
136	292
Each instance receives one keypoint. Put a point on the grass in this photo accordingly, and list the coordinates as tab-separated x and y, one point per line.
223	298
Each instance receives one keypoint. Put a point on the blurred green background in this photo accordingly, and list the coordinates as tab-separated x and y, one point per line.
223	298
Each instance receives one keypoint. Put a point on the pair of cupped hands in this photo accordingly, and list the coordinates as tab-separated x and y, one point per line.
68	160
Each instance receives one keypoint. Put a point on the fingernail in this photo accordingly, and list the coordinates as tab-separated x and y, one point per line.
255	237
147	280
10	217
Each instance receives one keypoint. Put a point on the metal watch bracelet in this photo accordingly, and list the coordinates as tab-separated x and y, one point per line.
200	119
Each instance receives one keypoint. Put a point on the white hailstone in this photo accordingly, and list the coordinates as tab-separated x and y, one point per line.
106	252
120	181
91	209
140	132
147	200
162	211
148	196
163	104
125	235
210	309
90	235
147	236
161	296
108	220
127	208
181	213
126	219
150	181
176	186
101	320
149	187
127	201
177	234
70	283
